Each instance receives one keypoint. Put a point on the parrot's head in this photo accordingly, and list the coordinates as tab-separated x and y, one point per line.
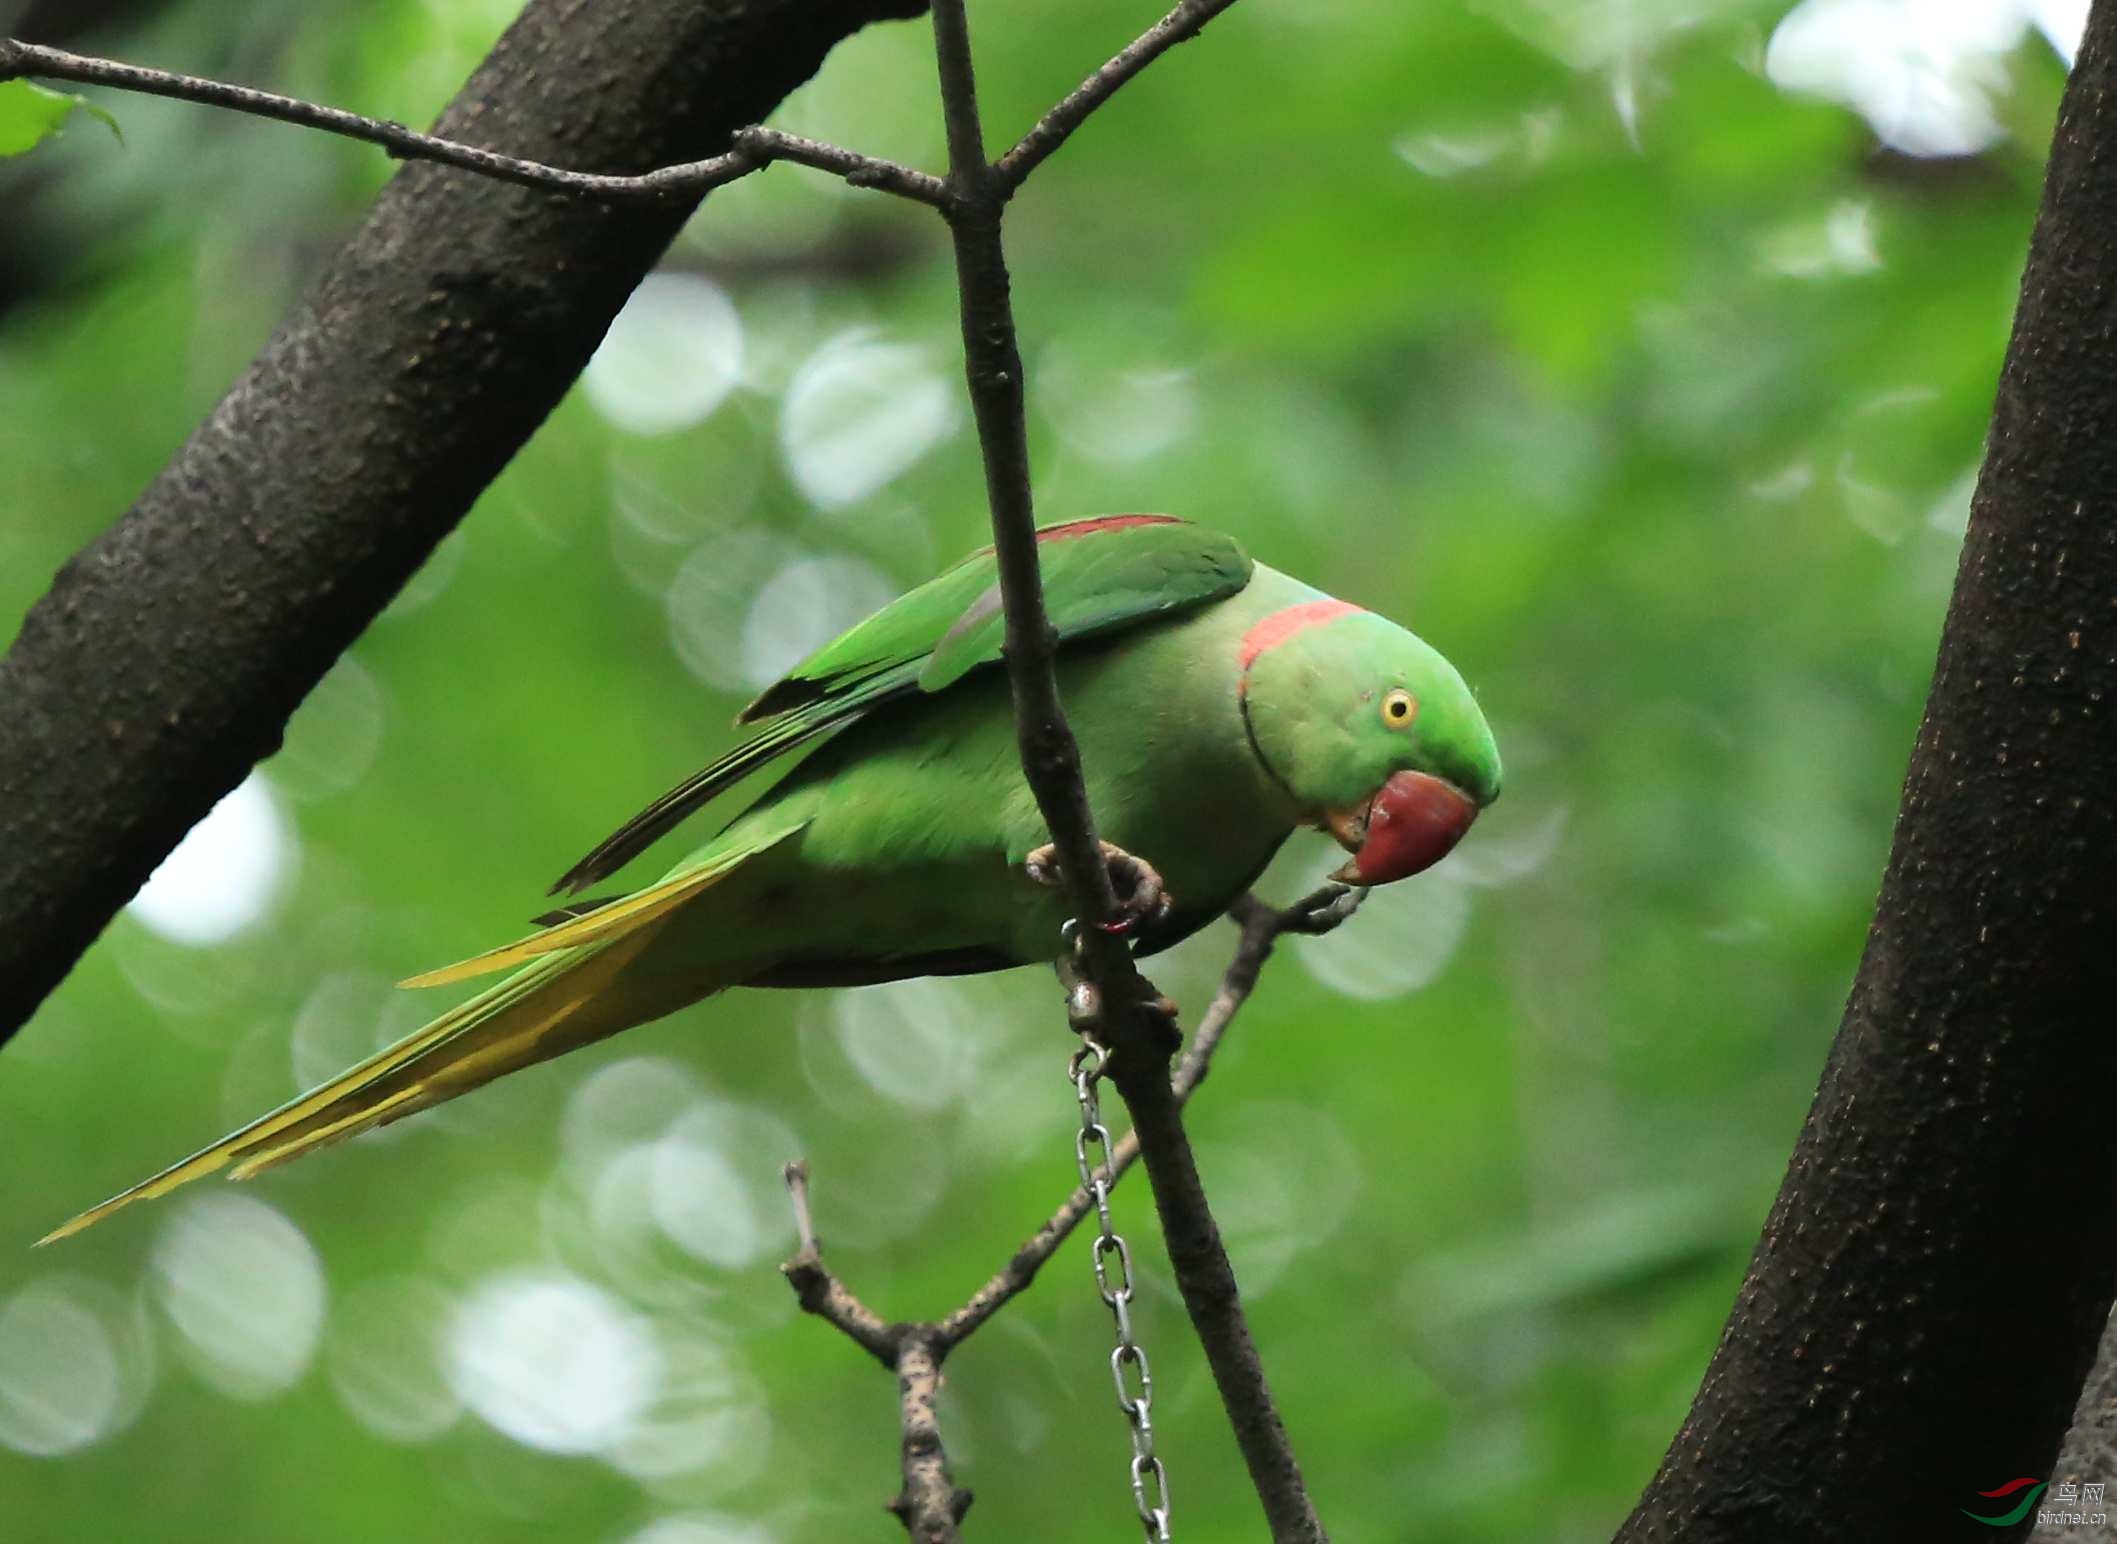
1371	731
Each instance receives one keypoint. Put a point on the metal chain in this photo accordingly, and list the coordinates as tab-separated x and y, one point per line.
1150	1483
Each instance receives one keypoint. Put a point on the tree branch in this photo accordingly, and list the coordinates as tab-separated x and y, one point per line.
1891	1351
1139	1032
171	651
993	366
1207	1282
2089	1452
930	1505
1054	128
822	1293
751	148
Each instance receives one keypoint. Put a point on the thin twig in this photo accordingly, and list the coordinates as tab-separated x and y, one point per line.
1262	926
750	148
822	1293
1053	129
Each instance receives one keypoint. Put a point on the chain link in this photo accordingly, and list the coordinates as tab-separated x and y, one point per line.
1091	1152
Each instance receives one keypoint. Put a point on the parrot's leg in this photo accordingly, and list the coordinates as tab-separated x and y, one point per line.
1142	899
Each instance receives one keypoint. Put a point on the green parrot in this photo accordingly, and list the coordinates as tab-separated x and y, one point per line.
1219	704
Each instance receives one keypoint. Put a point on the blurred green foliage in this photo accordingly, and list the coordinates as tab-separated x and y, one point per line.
1650	393
30	114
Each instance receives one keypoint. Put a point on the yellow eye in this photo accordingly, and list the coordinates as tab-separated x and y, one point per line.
1399	708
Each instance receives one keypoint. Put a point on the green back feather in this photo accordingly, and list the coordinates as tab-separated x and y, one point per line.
1100	575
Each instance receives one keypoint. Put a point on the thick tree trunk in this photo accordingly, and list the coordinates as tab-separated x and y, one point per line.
2089	1456
1932	1280
170	652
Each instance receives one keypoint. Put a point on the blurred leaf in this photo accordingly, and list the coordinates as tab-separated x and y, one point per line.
30	114
102	114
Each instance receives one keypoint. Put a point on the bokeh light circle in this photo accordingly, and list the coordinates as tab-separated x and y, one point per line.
245	1290
1400	939
670	358
552	1361
860	412
61	1389
226	872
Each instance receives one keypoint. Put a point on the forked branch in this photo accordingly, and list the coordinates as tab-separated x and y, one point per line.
751	149
930	1505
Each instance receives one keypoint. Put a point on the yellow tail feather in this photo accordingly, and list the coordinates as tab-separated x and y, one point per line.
349	1124
612	921
525	1019
262	1131
570	991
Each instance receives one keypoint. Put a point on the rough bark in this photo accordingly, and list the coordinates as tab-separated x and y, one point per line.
2089	1455
1907	1334
169	654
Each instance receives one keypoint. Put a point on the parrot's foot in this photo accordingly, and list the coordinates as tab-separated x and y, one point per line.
1142	899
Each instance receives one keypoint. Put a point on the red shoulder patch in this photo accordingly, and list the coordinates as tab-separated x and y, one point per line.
1072	528
1282	625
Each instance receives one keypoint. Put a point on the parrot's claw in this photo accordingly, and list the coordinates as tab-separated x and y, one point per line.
1160	1015
1142	899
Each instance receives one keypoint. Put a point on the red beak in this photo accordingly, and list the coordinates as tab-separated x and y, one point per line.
1410	824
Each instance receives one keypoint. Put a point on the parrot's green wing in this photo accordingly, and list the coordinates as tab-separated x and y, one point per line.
1100	575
